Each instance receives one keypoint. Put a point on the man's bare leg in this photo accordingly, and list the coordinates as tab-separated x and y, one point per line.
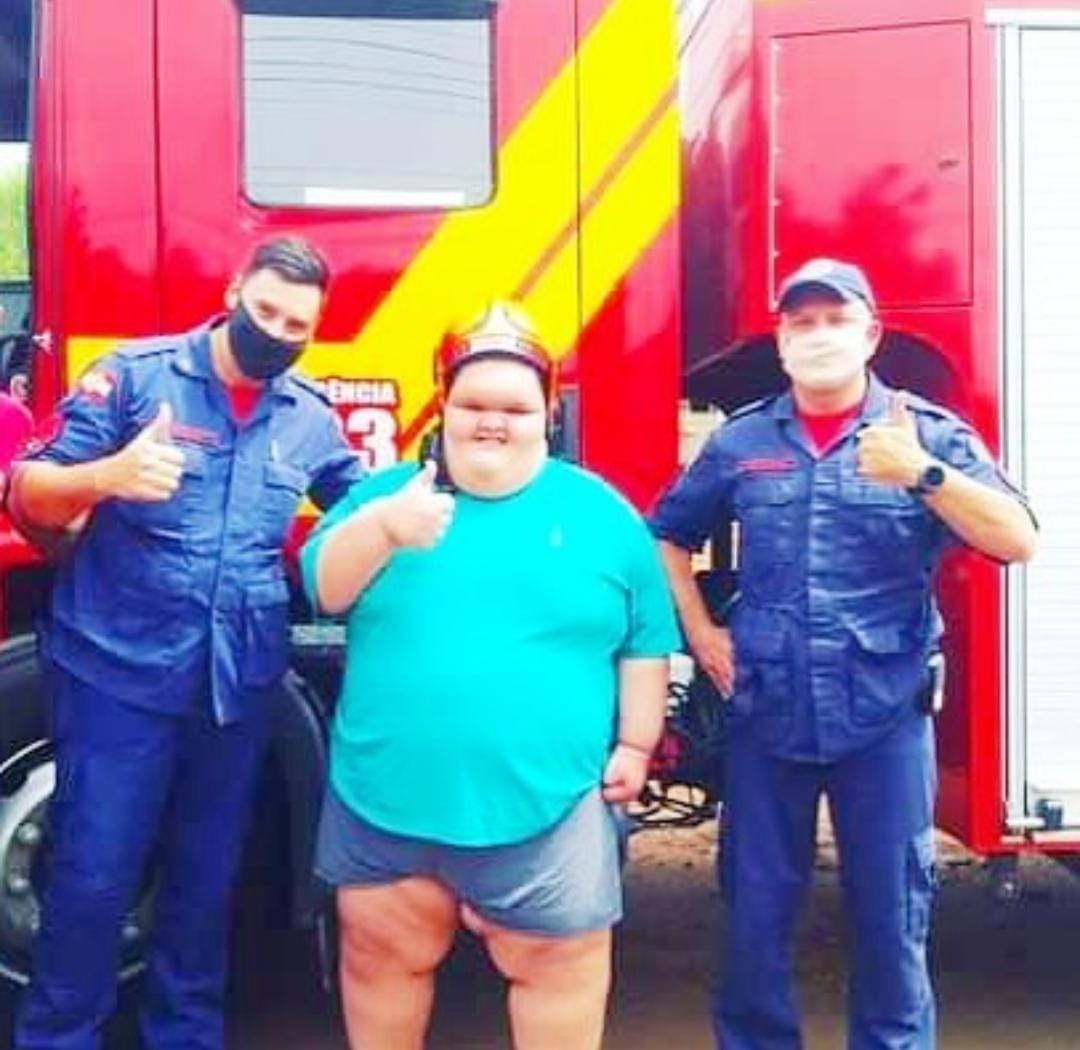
558	985
393	938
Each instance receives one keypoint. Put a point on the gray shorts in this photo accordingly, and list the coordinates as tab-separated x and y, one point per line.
564	881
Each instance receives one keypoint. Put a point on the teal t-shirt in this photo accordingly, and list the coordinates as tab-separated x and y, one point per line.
481	691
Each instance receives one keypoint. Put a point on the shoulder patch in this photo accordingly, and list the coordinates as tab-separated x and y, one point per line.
97	383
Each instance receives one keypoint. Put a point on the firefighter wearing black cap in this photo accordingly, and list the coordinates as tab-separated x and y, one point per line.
846	493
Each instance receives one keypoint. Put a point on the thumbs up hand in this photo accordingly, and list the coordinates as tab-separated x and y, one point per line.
148	469
889	450
417	515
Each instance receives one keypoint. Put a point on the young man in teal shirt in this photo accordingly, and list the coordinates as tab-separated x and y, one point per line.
505	685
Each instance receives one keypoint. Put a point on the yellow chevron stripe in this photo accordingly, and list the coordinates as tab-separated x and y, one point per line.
626	220
621	85
627	64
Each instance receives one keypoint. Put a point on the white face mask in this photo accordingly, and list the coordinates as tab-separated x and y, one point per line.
825	345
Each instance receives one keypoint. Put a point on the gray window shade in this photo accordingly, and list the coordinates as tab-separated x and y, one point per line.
367	104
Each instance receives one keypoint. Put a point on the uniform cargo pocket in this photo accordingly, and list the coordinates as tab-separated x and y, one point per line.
922	879
763	682
266	634
884	669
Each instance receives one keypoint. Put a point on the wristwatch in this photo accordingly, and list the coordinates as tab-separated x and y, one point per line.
930	480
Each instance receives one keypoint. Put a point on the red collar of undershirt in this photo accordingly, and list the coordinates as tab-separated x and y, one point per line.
825	430
242	400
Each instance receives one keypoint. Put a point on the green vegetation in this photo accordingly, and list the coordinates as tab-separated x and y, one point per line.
14	263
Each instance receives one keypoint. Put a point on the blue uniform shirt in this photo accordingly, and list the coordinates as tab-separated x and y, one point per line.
155	597
836	616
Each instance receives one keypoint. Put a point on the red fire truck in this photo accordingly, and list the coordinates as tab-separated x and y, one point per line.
929	141
639	174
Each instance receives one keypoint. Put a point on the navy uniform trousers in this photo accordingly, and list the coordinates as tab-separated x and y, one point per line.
134	786
881	800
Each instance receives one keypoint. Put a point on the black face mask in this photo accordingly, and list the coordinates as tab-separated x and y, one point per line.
258	354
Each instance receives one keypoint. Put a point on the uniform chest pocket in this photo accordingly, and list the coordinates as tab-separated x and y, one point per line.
166	519
884	524
282	489
767	508
862	492
765	491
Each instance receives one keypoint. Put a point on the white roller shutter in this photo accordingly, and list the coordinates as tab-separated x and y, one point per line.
1044	371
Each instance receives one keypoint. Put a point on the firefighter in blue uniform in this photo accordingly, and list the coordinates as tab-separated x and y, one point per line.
179	465
846	493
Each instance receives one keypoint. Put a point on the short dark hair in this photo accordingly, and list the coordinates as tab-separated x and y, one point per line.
292	259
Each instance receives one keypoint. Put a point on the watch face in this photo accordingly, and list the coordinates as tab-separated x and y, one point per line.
932	477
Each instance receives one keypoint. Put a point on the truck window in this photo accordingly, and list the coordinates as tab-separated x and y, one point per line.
370	104
15	67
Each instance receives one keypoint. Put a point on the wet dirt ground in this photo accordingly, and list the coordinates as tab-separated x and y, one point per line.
1008	974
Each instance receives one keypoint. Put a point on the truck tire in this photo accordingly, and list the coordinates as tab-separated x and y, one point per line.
27	777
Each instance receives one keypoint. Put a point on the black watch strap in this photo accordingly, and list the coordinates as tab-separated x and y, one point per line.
930	480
